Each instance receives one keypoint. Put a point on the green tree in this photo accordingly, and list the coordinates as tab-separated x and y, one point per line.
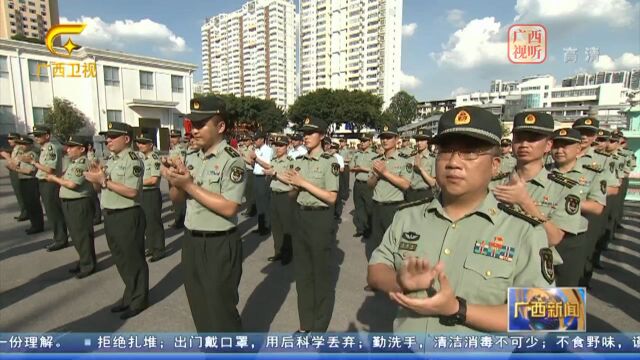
320	104
64	119
360	108
403	108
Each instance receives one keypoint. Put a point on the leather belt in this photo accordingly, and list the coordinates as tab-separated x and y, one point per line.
208	234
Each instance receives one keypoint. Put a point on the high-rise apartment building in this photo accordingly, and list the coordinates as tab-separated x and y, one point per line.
29	18
252	51
351	44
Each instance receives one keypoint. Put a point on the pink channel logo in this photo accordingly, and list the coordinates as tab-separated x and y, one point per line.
527	44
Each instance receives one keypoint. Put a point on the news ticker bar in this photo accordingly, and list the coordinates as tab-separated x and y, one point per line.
328	343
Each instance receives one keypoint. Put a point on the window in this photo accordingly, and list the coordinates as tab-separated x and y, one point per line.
146	80
114	115
177	121
176	84
4	68
38	71
111	76
40	115
7	122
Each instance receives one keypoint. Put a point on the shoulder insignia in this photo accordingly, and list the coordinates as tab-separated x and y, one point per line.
602	153
237	174
78	172
546	264
519	214
404	155
594	168
137	171
335	169
232	152
603	187
561	179
326	155
154	156
414	203
572	204
82	160
500	176
414	153
133	155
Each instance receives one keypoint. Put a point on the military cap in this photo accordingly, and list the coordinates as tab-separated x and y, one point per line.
571	135
280	140
470	121
311	123
24	140
388	129
79	140
13	136
117	128
326	140
366	137
259	135
405	138
144	139
175	133
342	140
617	134
505	142
423	134
604	134
586	123
335	146
297	136
533	121
41	130
206	107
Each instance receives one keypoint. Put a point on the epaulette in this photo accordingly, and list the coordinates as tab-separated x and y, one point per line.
414	203
377	157
154	156
290	158
403	155
192	151
133	155
561	179
232	152
326	155
82	160
595	168
414	153
615	157
520	214
602	153
500	176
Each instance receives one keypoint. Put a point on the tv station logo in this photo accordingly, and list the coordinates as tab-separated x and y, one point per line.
527	44
72	69
547	309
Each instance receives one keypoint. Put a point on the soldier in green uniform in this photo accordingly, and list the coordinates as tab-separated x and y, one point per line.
151	199
281	201
315	177
593	198
120	182
250	198
50	162
449	262
530	188
76	194
29	188
507	161
390	178
591	159
345	181
362	193
16	152
212	182
405	146
177	150
423	180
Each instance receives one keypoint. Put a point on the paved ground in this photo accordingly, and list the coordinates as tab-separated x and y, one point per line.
38	294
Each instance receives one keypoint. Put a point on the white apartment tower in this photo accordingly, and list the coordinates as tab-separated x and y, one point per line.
252	51
351	44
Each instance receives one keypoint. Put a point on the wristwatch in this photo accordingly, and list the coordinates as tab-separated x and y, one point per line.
104	183
459	317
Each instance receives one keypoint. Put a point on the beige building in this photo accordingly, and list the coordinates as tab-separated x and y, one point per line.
29	18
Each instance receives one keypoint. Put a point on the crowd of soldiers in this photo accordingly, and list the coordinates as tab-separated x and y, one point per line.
448	224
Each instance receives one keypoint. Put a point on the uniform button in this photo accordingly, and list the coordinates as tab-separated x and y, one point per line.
447	251
488	273
453	226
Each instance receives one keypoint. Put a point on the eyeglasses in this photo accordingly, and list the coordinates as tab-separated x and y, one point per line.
613	141
464	154
114	136
505	145
198	124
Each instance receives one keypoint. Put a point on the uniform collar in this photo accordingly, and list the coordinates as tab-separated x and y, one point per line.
311	157
393	155
542	177
78	159
487	210
122	153
215	151
576	169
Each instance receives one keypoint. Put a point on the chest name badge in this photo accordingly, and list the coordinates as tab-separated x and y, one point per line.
407	246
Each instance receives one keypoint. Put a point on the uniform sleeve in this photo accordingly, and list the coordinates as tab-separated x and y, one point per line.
383	254
352	162
154	166
331	175
406	169
598	190
51	157
24	165
134	174
610	173
75	173
234	180
566	216
530	263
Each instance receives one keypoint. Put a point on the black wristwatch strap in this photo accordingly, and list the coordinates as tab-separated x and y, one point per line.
459	317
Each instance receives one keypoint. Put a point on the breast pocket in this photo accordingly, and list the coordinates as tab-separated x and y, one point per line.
213	183
118	173
487	278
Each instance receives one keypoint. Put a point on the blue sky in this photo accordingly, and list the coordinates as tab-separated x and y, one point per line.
448	46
